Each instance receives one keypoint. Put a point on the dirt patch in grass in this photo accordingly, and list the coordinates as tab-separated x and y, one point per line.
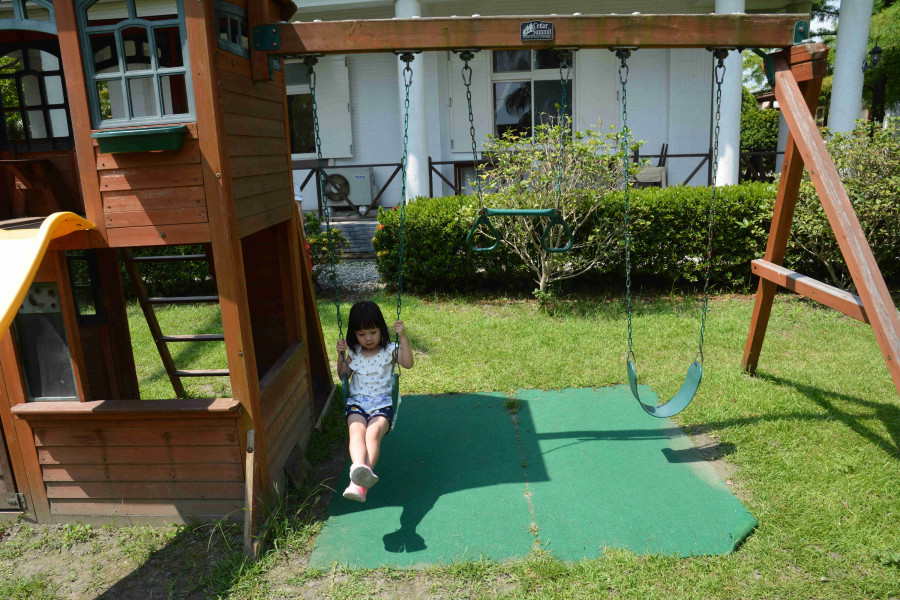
715	453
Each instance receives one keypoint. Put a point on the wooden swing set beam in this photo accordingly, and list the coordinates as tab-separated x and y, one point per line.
499	33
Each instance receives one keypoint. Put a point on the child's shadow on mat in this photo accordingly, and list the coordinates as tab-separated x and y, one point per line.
404	540
476	446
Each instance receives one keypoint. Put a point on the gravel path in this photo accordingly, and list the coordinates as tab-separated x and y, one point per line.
356	277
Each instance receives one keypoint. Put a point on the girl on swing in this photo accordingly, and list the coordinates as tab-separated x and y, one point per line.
369	363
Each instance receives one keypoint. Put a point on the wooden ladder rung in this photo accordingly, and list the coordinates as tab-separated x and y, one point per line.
169	258
201	373
183	300
200	337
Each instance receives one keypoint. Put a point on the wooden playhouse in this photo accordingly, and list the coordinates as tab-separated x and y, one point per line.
155	122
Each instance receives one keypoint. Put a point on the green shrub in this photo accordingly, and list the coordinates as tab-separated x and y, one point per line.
436	257
567	172
670	230
669	240
759	132
318	245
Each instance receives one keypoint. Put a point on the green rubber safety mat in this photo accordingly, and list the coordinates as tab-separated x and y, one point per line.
576	470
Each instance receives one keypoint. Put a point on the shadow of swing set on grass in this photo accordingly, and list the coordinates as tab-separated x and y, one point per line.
574	471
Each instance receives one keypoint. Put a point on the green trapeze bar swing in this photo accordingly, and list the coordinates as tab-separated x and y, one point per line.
406	57
484	214
695	371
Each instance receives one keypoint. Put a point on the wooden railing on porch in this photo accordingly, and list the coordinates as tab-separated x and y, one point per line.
748	172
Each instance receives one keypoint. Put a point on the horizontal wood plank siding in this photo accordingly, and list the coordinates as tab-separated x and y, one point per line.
113	465
159	235
256	136
152	189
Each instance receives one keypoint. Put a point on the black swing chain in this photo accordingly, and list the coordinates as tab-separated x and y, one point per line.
406	57
719	75
565	70
623	54
310	61
466	56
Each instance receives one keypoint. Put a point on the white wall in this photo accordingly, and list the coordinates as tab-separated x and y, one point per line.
669	100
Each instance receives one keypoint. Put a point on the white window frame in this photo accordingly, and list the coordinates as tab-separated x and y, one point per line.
297	90
123	76
530	76
336	137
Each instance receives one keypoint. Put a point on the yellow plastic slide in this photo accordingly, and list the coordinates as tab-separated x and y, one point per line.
22	248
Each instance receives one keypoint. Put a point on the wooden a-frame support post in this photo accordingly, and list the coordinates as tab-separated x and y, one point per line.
806	147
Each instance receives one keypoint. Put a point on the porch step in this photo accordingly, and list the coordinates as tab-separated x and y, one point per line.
359	234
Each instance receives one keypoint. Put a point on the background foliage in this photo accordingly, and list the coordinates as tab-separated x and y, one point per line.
868	160
318	244
669	240
555	169
759	132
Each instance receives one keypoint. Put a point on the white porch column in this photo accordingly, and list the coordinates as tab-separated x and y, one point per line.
850	52
730	123
417	165
782	141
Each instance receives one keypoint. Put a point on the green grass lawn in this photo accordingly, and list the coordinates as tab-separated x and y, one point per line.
813	441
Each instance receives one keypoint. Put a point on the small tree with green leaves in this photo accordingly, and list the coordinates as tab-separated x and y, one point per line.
868	160
524	172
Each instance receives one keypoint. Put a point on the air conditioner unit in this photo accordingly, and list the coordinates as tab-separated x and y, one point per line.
356	183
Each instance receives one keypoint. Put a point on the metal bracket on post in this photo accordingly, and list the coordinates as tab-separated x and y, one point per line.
768	65
266	37
801	32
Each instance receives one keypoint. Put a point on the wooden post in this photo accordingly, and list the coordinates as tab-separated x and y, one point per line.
258	14
785	202
79	112
224	237
250	486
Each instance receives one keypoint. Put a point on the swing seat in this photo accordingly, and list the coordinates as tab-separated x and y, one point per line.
679	401
484	218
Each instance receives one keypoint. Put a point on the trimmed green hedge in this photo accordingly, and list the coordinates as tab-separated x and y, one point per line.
436	257
669	232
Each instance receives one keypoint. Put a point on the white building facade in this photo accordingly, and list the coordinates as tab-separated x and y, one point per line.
360	98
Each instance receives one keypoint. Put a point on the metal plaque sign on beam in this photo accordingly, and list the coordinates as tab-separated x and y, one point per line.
536	31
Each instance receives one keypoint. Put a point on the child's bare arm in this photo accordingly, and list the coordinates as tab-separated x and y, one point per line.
405	355
342	362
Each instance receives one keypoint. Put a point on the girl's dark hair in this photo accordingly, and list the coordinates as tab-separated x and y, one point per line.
366	315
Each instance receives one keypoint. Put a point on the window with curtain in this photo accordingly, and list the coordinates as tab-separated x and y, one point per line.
526	89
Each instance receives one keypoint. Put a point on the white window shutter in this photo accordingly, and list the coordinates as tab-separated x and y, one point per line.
333	104
481	102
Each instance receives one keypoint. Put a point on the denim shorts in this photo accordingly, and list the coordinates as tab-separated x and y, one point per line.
385	411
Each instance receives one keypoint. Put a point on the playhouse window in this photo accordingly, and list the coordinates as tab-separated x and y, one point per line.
84	276
137	61
526	89
33	109
234	29
34	15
